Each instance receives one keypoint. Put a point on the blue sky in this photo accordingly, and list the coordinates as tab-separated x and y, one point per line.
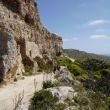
83	24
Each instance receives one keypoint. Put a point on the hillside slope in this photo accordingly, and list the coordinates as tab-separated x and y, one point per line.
76	54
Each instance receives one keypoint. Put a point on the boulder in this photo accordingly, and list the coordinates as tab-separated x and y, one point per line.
63	92
64	76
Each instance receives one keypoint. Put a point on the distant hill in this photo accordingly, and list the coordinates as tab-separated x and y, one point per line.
76	54
107	55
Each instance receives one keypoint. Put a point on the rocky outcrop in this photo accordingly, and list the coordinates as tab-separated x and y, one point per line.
64	76
63	92
23	37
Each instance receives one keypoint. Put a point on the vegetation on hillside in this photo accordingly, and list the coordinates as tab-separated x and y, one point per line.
94	75
43	100
79	55
91	80
44	64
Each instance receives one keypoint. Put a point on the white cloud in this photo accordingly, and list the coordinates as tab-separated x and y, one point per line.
98	22
70	39
100	37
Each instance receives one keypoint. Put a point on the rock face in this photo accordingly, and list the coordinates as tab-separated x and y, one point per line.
64	76
23	37
62	93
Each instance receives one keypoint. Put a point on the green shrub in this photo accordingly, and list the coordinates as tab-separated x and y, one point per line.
48	67
62	61
99	101
28	71
47	84
101	108
105	73
97	75
56	84
93	64
76	70
39	70
84	101
69	101
73	77
41	64
84	76
42	100
60	106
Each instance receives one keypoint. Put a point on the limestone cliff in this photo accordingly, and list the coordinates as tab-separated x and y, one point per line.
23	37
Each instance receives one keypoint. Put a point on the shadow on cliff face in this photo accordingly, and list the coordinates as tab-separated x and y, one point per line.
13	5
1	69
3	43
3	51
25	59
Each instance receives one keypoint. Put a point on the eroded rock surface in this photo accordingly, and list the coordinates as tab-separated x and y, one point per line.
22	36
63	92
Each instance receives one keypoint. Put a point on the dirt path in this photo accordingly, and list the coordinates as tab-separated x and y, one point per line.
9	92
73	60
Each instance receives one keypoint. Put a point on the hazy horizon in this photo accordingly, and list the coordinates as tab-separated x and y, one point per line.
88	52
83	25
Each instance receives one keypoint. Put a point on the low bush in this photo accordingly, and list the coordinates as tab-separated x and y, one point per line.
41	64
69	101
56	84
62	61
60	106
43	100
92	64
97	75
28	71
99	101
85	76
76	70
105	73
47	84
